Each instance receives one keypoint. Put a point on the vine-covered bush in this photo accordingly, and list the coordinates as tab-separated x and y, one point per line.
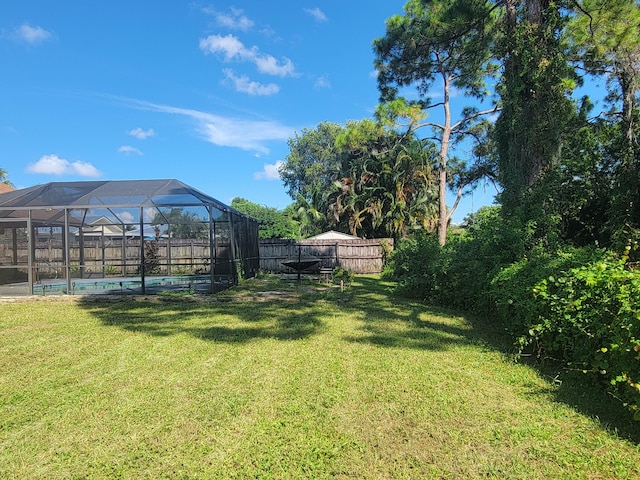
579	306
590	320
416	264
512	288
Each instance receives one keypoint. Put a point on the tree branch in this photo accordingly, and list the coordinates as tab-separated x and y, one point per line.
475	115
455	204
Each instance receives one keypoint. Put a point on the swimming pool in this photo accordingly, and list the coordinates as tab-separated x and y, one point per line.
132	285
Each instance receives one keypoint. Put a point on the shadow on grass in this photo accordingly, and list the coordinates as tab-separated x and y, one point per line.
575	389
230	322
385	321
394	322
586	395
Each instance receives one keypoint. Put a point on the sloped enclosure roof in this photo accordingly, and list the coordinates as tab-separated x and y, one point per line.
104	194
115	193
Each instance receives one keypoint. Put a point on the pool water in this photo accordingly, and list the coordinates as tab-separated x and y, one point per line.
194	283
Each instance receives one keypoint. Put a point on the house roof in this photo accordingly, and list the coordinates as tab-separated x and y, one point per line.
333	235
5	187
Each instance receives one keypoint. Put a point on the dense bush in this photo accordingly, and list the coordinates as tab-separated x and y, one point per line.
512	288
416	264
590	320
458	274
579	306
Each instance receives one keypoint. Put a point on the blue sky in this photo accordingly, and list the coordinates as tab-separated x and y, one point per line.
207	93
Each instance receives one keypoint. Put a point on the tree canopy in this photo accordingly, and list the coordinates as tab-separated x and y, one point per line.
374	181
565	171
443	45
272	223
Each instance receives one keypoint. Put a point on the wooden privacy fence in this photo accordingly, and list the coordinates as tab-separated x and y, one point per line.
357	256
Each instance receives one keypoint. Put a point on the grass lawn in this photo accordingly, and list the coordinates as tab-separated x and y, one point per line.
288	381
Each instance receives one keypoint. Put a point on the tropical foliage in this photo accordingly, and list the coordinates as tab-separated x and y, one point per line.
183	223
378	183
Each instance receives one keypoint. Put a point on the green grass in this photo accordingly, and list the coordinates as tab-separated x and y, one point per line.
288	381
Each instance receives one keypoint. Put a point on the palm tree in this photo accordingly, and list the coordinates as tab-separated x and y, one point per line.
310	213
3	177
388	189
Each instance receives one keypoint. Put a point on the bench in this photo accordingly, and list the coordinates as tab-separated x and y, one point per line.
326	271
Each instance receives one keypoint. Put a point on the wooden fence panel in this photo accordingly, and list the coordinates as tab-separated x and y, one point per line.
187	256
358	256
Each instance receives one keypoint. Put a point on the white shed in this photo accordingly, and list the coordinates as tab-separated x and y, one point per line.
333	235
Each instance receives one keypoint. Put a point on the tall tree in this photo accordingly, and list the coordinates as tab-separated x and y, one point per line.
438	44
313	161
388	186
534	89
606	36
371	181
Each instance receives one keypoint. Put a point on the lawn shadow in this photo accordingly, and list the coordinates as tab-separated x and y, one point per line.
430	327
229	321
387	321
585	394
394	322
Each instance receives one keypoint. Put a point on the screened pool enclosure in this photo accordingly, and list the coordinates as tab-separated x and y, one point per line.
122	236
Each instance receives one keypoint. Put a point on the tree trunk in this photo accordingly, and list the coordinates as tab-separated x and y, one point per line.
626	207
443	218
534	9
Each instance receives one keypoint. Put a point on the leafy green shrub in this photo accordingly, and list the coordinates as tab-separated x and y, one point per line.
591	321
415	264
341	274
580	306
512	288
458	274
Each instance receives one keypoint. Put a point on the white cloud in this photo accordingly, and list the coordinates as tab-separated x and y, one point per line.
251	135
54	165
236	20
126	217
322	82
317	14
141	134
244	85
233	49
269	65
148	214
269	172
32	35
128	149
229	45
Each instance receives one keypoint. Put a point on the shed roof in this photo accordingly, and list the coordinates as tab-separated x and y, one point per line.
333	235
5	187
